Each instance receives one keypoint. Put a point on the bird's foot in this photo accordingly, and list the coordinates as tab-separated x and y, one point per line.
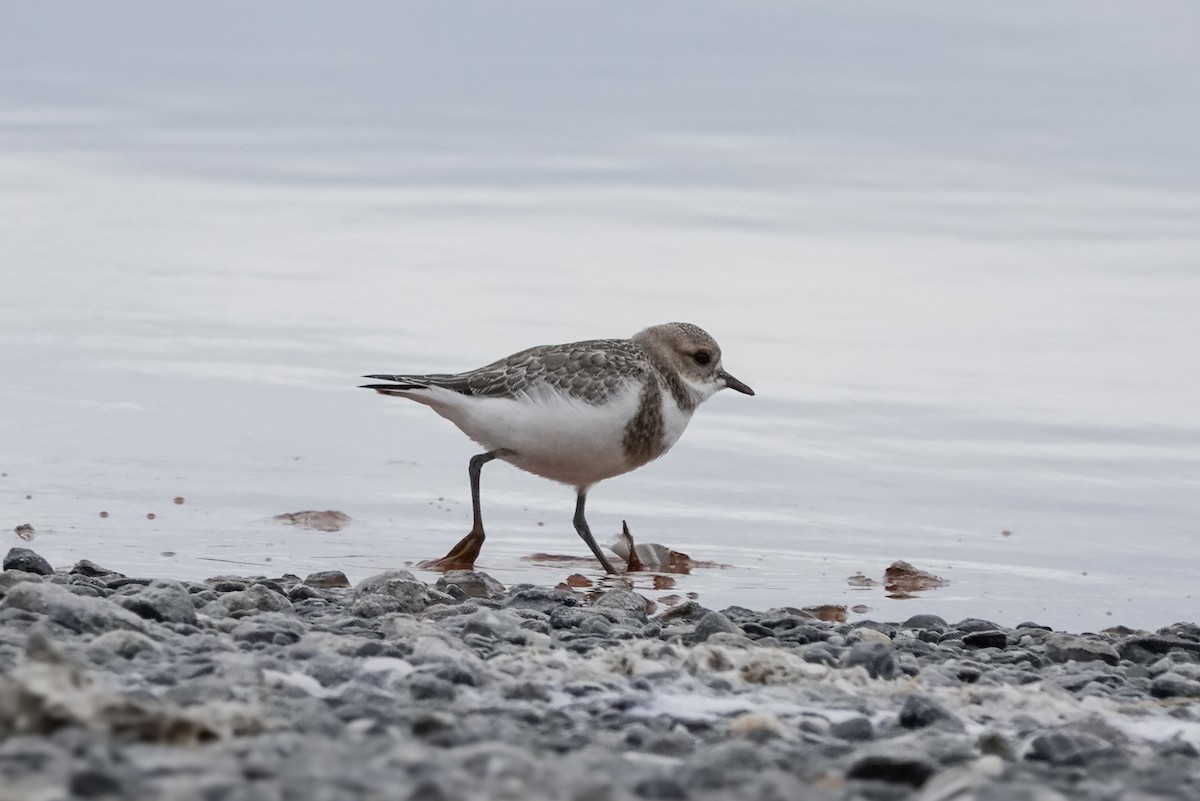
461	557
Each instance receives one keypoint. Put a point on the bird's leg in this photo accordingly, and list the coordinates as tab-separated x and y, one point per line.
463	555
581	526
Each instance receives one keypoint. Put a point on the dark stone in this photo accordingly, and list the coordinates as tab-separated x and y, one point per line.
856	729
277	631
542	599
590	621
820	654
908	663
117	581
669	744
457	674
993	638
28	561
302	592
876	657
203	598
1147	649
377	648
1177	747
996	744
968	674
432	725
725	765
1173	685
688	612
803	634
662	788
428	791
756	631
926	623
1188	631
1066	747
1062	648
526	691
896	766
920	711
883	628
972	624
327	580
94	784
426	687
86	567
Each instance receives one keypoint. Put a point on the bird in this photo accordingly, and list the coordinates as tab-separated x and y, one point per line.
576	413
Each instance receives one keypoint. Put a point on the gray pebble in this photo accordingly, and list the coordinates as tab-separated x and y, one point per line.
284	689
1068	647
11	578
878	659
163	601
125	643
73	612
855	729
627	604
86	567
471	584
1066	747
713	623
920	711
397	590
1174	685
541	599
251	601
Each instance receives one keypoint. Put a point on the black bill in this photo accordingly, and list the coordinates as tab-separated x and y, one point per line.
733	383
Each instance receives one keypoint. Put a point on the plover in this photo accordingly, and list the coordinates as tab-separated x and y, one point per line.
576	413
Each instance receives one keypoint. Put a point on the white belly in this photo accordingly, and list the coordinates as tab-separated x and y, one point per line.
551	434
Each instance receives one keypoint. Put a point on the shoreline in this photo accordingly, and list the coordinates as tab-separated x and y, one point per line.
257	687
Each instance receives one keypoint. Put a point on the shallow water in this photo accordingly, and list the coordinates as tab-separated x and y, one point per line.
957	257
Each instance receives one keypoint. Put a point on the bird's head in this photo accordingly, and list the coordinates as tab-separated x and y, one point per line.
691	352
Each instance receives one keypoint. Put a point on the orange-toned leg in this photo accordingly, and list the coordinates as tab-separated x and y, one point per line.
463	555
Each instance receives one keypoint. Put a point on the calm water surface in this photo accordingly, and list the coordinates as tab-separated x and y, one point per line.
958	257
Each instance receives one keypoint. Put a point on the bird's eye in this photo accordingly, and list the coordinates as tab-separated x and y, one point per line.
702	357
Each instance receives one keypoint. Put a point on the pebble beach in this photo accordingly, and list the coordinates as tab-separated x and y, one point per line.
258	687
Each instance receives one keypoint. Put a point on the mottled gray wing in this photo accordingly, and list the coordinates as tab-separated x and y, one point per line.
591	371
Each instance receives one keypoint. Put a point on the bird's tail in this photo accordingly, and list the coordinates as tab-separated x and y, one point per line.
403	384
